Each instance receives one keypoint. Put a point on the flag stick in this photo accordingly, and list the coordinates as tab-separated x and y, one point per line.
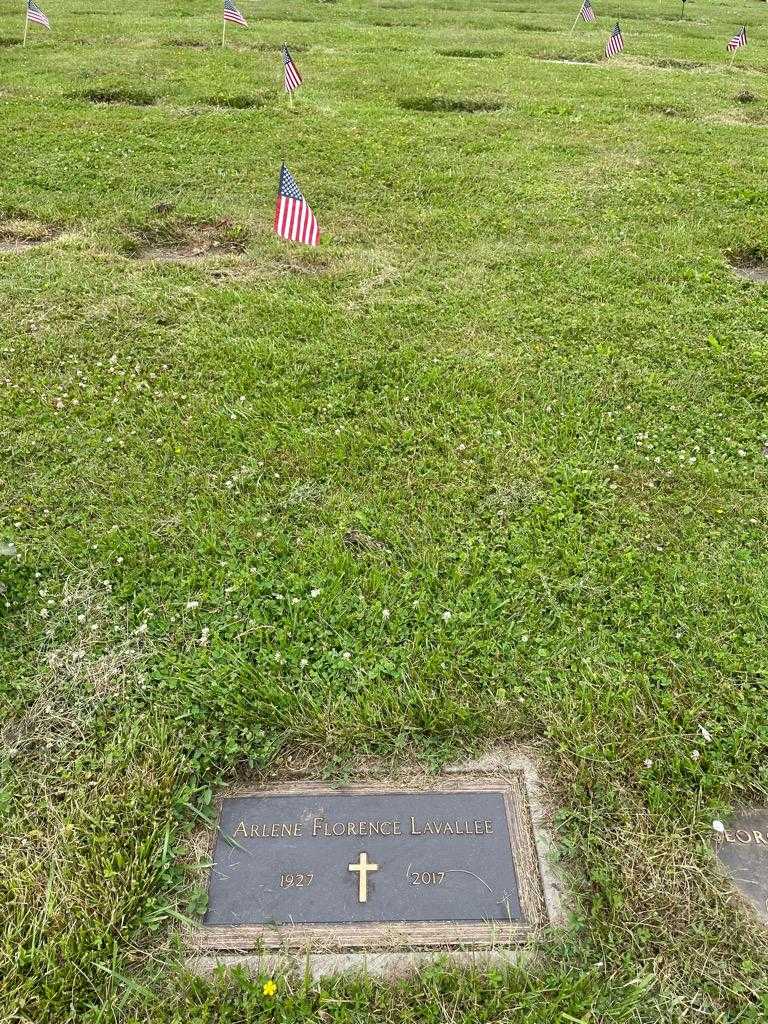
26	29
285	81
224	31
573	26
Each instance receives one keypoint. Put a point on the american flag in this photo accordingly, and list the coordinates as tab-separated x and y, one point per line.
586	11
615	43
293	218
292	79
35	14
737	41
232	14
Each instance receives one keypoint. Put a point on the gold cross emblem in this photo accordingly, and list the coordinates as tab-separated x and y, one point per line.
363	867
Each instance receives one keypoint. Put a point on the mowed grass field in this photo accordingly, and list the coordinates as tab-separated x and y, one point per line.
489	466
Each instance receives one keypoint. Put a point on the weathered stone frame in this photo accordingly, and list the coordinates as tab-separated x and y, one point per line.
513	777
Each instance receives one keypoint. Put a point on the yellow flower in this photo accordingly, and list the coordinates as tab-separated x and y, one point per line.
269	988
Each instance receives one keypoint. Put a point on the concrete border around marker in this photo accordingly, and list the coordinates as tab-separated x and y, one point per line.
519	759
378	964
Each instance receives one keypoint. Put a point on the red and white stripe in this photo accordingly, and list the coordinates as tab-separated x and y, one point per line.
295	221
35	14
232	14
615	43
587	12
737	41
292	77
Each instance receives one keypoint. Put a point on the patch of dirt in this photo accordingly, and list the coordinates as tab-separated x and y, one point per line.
444	105
664	110
747	117
513	499
523	27
308	264
20	235
130	97
234	102
471	54
184	242
678	65
745	96
566	59
758	117
750	264
356	540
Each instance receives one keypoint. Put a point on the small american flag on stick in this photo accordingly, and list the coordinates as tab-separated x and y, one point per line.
291	79
615	42
36	15
294	219
232	14
736	42
586	12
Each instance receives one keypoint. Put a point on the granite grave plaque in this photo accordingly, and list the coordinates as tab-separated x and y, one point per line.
742	849
358	867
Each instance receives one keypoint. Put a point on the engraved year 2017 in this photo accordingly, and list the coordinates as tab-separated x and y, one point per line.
296	880
426	877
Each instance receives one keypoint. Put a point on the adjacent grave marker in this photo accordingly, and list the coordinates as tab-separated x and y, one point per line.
742	849
307	866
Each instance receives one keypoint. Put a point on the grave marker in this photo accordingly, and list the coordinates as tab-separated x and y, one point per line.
742	849
304	866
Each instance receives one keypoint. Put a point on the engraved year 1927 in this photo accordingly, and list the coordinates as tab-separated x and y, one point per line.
296	880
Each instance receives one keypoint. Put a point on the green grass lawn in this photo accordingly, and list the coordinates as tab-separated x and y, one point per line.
487	466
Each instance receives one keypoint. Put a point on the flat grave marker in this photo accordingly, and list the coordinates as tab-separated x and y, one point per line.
307	866
742	849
